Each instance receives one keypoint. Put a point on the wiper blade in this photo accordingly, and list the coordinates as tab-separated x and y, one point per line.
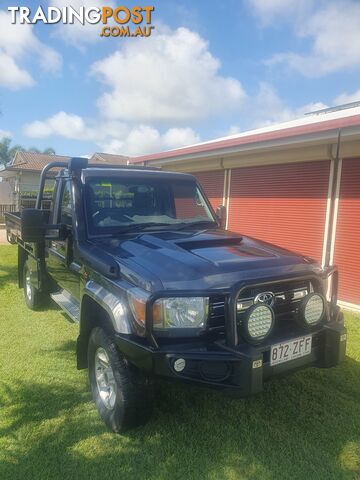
141	226
171	226
200	223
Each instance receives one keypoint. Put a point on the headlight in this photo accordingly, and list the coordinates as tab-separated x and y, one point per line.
174	312
258	322
180	312
313	309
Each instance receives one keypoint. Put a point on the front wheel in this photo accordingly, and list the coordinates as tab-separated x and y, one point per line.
122	394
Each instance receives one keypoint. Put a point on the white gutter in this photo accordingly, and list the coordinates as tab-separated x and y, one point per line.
325	137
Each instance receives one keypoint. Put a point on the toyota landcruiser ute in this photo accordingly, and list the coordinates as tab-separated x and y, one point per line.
159	289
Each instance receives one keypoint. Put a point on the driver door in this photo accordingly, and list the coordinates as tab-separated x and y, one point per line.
61	265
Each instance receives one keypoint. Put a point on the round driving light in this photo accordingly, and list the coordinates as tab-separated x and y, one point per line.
179	365
258	322
313	309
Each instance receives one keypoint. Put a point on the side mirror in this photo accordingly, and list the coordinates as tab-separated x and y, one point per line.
221	215
32	225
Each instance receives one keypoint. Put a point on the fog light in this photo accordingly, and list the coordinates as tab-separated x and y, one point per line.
258	322
313	309
179	365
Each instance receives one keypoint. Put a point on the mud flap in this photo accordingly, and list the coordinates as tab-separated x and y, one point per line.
334	345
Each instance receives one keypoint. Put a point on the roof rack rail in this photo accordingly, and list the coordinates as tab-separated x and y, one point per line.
123	167
75	165
43	177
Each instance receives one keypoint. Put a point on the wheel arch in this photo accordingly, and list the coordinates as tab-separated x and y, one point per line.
99	308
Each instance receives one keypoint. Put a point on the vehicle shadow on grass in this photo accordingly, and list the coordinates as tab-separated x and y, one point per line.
302	427
7	275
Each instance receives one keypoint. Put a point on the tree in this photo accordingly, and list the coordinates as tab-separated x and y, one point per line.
7	152
49	151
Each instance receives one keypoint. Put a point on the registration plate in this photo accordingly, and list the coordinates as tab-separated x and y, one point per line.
286	351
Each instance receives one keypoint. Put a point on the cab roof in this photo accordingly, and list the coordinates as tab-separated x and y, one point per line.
136	172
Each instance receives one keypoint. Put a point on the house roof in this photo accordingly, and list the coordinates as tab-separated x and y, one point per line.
278	134
109	158
33	161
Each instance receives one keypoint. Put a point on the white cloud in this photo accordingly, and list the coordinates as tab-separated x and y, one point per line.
266	107
269	11
233	130
17	42
331	26
172	76
145	139
5	134
311	107
76	34
61	124
11	75
113	136
110	135
178	137
142	139
73	127
347	98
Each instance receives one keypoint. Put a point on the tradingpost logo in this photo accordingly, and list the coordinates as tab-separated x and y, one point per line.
120	21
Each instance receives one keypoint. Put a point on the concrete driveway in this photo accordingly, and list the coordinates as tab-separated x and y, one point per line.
3	240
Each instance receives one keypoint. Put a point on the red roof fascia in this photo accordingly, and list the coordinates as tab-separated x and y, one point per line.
257	137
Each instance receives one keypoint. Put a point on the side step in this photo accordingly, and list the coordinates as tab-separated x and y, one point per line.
67	303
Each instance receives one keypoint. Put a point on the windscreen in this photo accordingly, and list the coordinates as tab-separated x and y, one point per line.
115	204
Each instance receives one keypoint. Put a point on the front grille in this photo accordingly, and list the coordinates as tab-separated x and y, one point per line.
287	299
216	314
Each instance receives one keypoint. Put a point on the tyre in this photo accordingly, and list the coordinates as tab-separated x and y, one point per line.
10	238
33	298
122	394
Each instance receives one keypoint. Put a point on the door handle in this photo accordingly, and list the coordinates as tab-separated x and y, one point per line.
75	267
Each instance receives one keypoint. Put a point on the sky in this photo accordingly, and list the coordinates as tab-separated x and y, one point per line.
208	70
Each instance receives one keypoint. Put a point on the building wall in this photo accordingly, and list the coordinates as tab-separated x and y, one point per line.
346	244
29	181
299	206
282	204
20	183
6	195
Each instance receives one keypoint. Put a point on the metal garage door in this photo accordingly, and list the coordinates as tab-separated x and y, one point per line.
282	204
347	240
213	185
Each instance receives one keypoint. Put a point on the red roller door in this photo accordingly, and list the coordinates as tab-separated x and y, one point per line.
282	204
347	243
213	185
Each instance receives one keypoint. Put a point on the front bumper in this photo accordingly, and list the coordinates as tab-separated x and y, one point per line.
243	367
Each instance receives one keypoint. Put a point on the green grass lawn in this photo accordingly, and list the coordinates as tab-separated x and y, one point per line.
305	426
